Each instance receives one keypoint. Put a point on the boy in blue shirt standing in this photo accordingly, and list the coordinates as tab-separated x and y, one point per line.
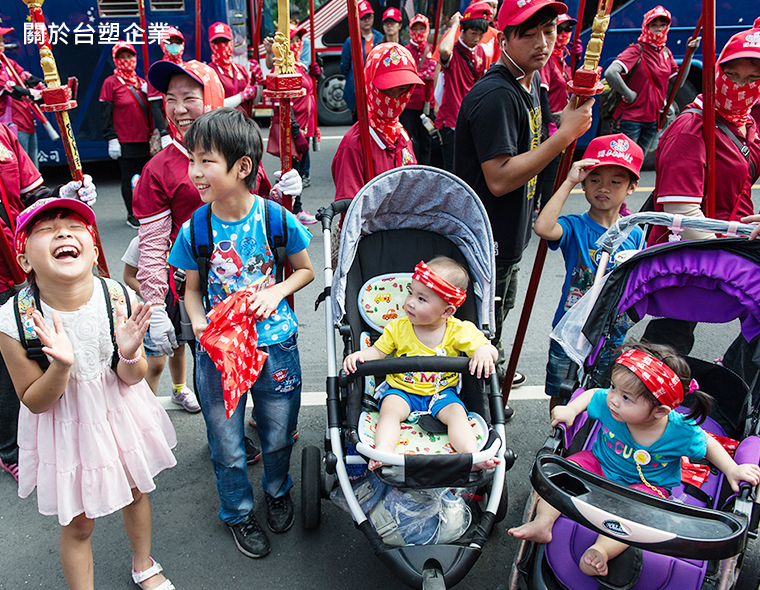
225	149
609	172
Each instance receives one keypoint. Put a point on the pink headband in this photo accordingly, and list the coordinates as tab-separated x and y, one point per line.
658	377
448	292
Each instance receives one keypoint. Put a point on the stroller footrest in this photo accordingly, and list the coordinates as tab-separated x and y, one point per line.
620	512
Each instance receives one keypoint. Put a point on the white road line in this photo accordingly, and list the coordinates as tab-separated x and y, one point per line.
319	398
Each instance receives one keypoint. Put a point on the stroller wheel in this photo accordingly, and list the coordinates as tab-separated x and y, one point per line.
311	487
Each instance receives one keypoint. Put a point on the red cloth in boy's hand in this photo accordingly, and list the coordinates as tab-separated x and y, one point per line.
230	341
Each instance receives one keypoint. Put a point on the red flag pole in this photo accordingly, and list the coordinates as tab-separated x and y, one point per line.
198	30
144	27
677	84
577	33
313	56
361	92
708	107
585	84
257	30
437	24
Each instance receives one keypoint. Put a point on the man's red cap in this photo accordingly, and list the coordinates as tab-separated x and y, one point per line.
514	12
566	18
393	14
295	29
365	8
170	32
121	46
755	25
616	150
744	44
480	10
219	31
397	67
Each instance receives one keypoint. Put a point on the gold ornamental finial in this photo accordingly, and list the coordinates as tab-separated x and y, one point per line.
598	30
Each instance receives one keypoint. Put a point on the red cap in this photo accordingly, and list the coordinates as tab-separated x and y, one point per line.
365	8
161	72
566	18
295	29
6	30
171	32
396	68
419	18
392	14
744	44
475	10
121	46
657	12
755	25
26	218
514	12
219	31
616	150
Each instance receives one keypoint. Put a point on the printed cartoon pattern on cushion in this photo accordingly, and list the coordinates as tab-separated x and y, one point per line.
381	299
417	441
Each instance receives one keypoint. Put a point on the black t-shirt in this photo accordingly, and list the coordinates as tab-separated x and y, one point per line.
498	116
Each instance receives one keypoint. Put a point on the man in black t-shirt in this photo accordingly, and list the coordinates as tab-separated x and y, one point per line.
497	148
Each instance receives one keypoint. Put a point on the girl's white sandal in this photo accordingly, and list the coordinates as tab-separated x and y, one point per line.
140	577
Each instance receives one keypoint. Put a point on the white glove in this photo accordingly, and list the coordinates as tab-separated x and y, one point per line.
144	88
165	140
162	331
114	149
289	183
74	190
233	101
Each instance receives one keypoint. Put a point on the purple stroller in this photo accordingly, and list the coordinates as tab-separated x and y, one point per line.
699	538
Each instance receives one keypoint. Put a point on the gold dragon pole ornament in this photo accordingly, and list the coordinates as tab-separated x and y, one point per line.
585	84
60	99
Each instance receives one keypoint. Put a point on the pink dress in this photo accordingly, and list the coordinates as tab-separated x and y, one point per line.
102	437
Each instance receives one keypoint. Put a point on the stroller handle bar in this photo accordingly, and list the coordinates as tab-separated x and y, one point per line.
397	459
325	214
618	233
407	364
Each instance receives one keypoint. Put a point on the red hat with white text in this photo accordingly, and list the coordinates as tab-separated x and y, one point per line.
392	14
365	8
616	150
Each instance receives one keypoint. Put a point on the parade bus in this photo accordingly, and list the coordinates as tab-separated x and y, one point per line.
83	31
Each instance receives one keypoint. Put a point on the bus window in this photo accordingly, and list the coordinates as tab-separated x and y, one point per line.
164	5
118	8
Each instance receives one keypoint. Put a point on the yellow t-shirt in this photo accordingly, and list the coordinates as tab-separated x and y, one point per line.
398	337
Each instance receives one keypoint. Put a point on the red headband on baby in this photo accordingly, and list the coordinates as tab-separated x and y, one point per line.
658	377
448	292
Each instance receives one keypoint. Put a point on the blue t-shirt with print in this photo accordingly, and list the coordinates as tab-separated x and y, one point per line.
243	259
615	448
579	234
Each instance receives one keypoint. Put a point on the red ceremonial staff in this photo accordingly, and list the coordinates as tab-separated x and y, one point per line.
59	100
585	84
143	26
708	107
357	58
313	56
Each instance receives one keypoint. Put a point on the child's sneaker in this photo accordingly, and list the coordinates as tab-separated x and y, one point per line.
186	398
306	218
252	454
11	468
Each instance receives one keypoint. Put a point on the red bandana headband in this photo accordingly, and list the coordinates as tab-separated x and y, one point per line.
657	377
448	292
23	236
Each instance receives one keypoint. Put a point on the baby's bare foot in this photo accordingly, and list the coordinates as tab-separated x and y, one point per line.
537	531
594	561
374	464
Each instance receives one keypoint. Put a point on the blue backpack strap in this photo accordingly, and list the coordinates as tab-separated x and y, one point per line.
24	303
277	235
202	246
115	294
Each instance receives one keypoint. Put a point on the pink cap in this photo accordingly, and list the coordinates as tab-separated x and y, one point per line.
6	30
744	44
121	46
392	14
755	25
397	67
514	12
481	10
219	31
27	216
365	8
616	150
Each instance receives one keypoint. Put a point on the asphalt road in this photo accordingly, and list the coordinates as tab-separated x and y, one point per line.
190	541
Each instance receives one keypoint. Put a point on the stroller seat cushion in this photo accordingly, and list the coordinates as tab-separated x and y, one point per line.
415	440
381	299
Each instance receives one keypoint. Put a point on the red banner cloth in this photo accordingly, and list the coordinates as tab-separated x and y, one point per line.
695	473
230	341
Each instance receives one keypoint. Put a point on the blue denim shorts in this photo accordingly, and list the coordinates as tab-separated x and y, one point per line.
421	403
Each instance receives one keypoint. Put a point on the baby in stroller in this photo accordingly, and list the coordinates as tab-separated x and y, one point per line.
641	440
429	328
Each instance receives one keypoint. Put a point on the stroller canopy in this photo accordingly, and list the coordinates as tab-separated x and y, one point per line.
423	198
712	281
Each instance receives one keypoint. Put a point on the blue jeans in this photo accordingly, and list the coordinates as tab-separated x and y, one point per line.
277	396
28	141
641	133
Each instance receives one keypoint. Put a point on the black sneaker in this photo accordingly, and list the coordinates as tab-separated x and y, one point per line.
250	538
280	513
133	222
252	454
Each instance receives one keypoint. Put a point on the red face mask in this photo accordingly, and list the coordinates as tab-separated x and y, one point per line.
125	69
221	54
732	101
384	110
656	39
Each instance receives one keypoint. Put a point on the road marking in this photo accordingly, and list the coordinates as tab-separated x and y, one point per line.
319	398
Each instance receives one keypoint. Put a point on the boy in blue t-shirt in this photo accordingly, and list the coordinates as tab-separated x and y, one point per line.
225	149
609	173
